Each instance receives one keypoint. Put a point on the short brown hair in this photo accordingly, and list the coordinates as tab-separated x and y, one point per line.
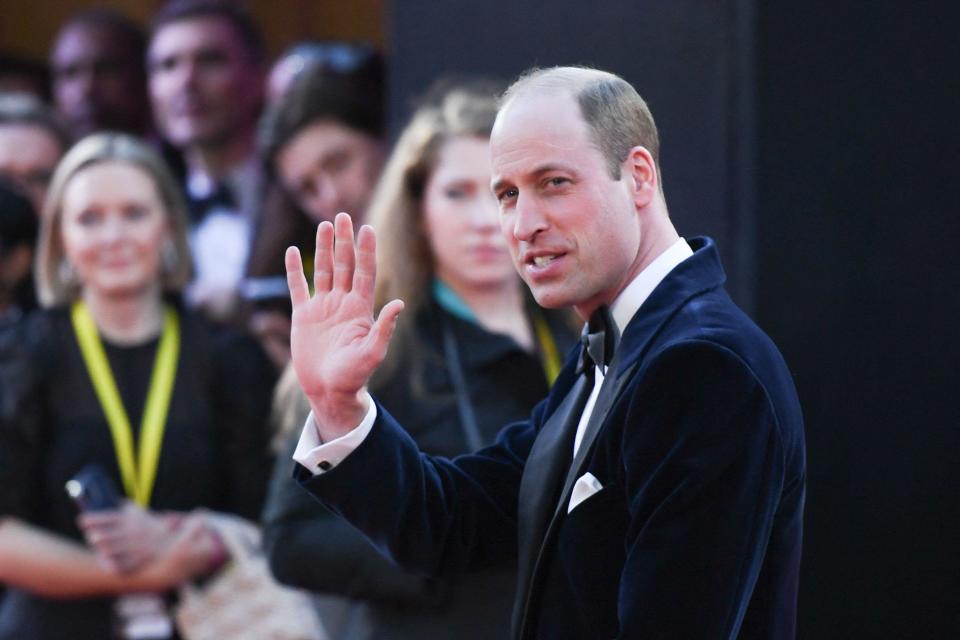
238	18
52	287
617	116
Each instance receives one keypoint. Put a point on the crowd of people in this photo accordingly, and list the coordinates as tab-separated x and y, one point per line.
204	255
147	197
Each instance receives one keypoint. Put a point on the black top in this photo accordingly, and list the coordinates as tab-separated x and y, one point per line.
313	549
214	452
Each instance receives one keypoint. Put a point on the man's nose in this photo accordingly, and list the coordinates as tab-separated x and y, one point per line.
185	75
528	219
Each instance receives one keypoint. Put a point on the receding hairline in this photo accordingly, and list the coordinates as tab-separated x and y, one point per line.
570	81
616	116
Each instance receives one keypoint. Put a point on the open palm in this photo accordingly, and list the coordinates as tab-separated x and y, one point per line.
335	343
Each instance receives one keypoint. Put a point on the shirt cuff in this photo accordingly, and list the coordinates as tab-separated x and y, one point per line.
318	456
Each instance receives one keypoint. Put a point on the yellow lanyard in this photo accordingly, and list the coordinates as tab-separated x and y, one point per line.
548	348
138	486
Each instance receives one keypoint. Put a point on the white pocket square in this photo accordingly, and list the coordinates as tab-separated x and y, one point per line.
586	486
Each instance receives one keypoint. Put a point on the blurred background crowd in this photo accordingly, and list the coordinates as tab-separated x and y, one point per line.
156	159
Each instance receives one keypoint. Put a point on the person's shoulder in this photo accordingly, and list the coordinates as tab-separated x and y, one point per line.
726	362
35	333
712	318
29	352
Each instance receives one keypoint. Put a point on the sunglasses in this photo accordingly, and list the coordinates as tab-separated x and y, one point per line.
344	58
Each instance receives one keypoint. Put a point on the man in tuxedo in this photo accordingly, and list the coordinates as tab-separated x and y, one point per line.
657	492
206	69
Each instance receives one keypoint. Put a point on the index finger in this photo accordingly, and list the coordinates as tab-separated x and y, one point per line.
296	282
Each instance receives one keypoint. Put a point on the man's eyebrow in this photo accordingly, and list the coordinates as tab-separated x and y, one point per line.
536	173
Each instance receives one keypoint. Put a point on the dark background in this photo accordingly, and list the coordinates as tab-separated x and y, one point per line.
818	144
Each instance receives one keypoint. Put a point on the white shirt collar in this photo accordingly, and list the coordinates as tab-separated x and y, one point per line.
635	294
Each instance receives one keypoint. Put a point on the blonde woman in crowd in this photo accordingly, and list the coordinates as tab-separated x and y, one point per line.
115	372
472	352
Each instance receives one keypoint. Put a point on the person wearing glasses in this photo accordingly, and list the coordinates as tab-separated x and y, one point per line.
114	371
474	351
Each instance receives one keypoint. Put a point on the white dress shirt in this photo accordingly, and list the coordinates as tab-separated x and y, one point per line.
625	307
220	243
318	456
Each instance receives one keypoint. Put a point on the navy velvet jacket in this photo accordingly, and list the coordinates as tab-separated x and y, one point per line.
697	441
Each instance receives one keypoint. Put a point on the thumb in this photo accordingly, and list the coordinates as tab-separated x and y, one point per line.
383	329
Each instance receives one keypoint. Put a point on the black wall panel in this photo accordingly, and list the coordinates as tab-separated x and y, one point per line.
690	60
858	281
818	143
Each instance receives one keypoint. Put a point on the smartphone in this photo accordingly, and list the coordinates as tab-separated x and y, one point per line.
93	490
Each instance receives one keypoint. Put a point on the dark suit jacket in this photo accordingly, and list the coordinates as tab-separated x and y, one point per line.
504	382
697	439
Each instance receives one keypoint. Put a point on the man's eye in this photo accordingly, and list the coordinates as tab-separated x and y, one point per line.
67	73
162	64
557	181
212	59
506	194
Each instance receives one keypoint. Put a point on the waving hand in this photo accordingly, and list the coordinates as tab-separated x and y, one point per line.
335	343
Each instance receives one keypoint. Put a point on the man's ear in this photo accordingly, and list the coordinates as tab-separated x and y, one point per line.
644	177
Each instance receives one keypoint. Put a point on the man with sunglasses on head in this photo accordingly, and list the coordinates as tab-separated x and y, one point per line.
658	490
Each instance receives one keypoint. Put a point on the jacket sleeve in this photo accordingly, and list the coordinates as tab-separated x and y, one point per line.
311	548
703	463
432	515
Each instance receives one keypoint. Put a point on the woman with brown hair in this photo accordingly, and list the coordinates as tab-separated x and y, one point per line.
471	352
115	372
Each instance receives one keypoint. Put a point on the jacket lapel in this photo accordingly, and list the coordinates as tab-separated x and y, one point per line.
548	460
542	501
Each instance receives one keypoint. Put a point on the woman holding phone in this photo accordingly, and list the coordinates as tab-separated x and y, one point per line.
115	372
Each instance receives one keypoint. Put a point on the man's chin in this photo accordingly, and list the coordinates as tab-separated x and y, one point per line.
550	298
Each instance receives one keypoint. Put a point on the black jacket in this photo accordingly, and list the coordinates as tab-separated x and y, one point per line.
310	548
694	526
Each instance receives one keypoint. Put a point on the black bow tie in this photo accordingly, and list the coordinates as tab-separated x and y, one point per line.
599	340
220	198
